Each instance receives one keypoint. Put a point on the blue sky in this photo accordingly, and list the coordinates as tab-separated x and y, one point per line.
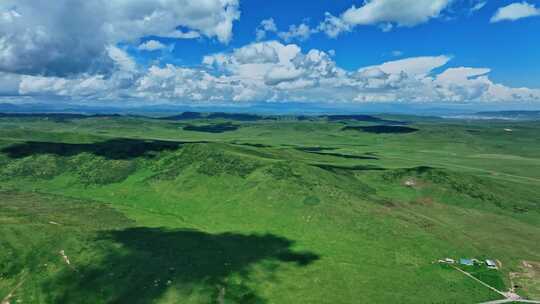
511	49
241	51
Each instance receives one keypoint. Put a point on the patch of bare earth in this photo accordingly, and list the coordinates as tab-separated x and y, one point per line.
527	281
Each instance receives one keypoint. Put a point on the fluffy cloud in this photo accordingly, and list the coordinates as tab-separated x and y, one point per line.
177	83
151	45
254	61
69	50
272	71
332	26
300	32
515	11
403	13
385	13
461	84
266	26
86	86
65	37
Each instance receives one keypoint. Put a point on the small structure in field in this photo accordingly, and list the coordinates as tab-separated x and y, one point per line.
466	262
508	130
410	183
449	261
491	264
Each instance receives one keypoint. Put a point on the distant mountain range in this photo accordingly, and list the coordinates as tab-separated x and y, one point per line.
500	115
247	111
513	114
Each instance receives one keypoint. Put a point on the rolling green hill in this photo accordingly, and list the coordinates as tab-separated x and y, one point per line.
225	209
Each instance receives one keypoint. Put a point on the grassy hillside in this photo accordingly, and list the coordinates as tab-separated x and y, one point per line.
211	209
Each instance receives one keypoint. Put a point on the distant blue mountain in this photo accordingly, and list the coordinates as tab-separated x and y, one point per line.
289	108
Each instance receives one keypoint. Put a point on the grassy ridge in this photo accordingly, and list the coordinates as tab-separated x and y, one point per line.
269	212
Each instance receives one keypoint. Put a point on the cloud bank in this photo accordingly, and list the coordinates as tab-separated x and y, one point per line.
73	53
275	72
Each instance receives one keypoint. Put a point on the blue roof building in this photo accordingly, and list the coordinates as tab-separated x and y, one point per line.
467	262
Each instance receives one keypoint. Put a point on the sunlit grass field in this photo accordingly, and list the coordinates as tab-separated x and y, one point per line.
264	209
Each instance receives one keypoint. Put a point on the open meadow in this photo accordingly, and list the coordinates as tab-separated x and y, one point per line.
238	208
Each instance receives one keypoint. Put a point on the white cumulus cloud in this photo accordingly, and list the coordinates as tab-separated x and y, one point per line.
66	37
385	13
300	32
273	71
401	12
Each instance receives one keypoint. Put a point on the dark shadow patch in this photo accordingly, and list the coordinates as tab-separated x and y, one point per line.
218	115
57	117
337	168
306	118
347	156
364	118
239	116
121	148
252	145
140	264
314	149
183	116
382	129
213	128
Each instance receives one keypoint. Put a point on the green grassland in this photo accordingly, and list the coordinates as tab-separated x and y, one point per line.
280	210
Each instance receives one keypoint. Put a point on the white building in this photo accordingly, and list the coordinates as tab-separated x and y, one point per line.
491	264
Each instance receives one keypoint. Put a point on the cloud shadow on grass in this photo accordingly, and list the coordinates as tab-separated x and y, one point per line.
212	128
338	168
382	129
139	265
118	148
